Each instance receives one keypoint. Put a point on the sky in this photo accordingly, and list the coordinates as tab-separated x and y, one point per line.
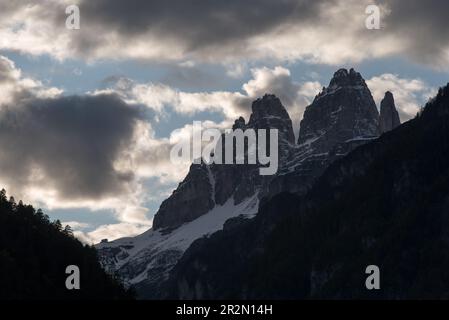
88	116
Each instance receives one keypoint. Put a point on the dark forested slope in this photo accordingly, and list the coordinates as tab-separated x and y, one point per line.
35	252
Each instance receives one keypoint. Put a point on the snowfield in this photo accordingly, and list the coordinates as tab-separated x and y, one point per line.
134	258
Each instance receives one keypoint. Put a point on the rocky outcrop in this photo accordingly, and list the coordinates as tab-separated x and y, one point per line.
207	185
389	116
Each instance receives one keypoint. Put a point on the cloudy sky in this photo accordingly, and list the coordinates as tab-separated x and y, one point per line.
88	116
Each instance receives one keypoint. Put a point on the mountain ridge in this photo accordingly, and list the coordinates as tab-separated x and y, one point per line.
207	187
318	245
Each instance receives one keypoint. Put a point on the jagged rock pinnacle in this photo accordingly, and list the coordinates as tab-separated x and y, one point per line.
389	116
269	113
343	78
344	110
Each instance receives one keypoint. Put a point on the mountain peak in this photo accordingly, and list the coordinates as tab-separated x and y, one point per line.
343	78
341	112
268	105
389	116
269	113
389	96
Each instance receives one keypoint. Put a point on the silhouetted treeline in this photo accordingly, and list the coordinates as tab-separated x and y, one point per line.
34	254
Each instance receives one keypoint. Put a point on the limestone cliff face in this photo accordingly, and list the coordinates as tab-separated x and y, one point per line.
208	185
193	198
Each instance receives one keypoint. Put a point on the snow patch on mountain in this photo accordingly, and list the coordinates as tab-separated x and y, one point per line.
135	258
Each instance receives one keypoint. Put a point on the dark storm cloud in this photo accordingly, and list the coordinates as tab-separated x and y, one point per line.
73	141
325	31
424	25
194	24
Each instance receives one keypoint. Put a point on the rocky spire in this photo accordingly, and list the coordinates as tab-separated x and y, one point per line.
269	113
345	78
389	116
344	110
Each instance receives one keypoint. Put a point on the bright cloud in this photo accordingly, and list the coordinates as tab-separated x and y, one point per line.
409	94
278	80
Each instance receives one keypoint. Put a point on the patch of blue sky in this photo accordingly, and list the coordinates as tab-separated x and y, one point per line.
78	76
93	219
